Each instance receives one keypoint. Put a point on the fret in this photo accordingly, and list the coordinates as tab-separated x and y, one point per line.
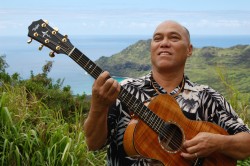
86	63
126	97
144	114
79	59
71	51
128	102
150	118
162	129
136	105
140	110
145	108
159	124
89	66
93	69
123	94
143	111
155	123
85	66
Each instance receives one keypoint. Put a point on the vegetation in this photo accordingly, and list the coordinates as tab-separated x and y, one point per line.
41	121
133	61
201	67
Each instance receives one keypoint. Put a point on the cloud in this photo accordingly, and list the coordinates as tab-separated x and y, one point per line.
125	21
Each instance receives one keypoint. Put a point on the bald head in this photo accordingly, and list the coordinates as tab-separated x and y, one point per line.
170	23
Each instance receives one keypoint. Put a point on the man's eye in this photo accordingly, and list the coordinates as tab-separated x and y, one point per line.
157	38
175	38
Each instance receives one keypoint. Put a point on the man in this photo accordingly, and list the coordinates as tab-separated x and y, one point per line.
170	48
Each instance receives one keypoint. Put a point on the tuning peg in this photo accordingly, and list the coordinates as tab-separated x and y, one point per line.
29	41
56	29
65	38
52	54
41	47
46	21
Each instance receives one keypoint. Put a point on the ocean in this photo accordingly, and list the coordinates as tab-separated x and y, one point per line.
24	58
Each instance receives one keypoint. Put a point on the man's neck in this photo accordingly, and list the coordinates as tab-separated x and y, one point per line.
169	81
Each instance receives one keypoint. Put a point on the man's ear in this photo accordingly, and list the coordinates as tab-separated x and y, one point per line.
190	50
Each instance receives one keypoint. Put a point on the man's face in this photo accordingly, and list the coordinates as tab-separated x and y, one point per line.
170	47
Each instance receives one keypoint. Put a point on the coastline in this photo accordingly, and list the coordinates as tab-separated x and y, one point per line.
23	58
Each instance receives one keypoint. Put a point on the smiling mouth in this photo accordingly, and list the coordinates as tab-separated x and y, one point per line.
164	53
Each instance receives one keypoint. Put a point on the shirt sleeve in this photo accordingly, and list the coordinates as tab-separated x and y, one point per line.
222	113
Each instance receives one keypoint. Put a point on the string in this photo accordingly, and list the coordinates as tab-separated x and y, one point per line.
176	94
160	129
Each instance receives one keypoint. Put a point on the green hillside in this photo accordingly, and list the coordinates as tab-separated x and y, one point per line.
133	61
207	65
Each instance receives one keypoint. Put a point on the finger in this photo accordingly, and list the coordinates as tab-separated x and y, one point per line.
189	156
192	149
190	143
114	91
99	82
102	78
109	86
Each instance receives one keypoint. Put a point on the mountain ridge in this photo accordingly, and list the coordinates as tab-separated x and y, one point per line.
203	66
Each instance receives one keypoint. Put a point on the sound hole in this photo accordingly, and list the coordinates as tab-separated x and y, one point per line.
171	138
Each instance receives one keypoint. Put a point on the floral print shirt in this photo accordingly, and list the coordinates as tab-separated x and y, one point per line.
197	102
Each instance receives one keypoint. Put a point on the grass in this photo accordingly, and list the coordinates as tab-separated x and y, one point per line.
32	134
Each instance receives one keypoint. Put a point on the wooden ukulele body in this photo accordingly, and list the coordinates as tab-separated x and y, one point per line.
141	140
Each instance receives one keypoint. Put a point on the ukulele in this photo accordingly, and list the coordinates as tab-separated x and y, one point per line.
159	129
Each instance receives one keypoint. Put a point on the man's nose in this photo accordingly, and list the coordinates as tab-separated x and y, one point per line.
165	42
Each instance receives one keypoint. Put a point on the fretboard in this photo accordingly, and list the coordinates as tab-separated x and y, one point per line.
134	104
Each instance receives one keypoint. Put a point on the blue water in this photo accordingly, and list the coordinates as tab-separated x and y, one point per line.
23	57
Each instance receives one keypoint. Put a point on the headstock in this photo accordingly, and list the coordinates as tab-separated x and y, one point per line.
50	37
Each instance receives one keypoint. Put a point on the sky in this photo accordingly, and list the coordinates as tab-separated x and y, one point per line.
111	17
126	17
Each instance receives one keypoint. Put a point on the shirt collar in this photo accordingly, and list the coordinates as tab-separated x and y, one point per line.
191	86
188	85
